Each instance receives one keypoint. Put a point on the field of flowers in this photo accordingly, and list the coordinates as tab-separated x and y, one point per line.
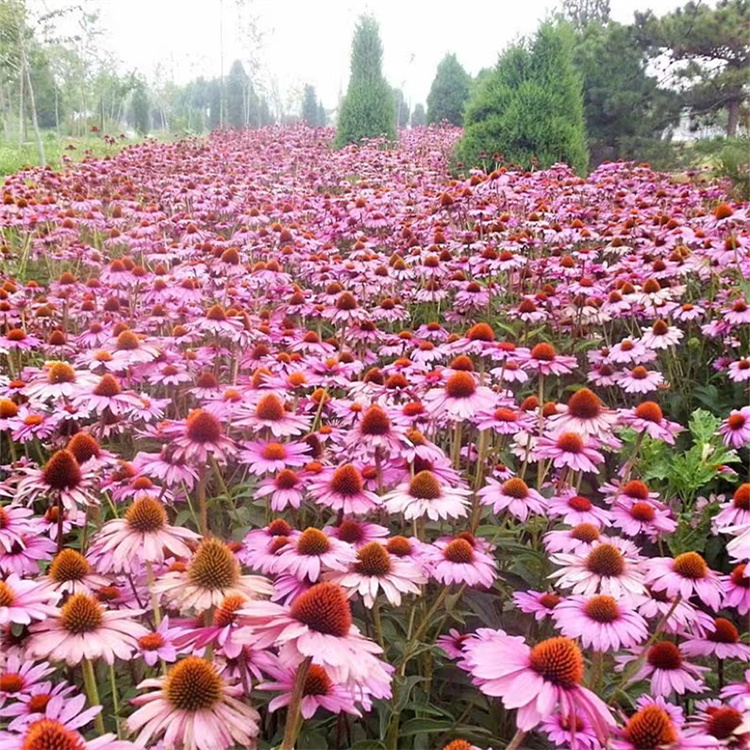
327	449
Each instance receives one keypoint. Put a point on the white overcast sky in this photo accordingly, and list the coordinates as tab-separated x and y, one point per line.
308	41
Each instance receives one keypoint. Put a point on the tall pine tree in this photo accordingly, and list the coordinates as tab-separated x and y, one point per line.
449	92
368	109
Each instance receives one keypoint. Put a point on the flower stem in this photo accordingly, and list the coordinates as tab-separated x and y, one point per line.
154	598
92	692
293	724
115	698
516	741
202	505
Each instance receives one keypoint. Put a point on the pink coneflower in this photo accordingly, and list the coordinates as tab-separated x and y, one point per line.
573	733
34	701
22	601
212	574
642	517
686	574
736	511
604	570
56	706
724	723
107	395
661	336
457	560
425	495
575	509
639	380
50	733
220	632
537	603
669	672
629	350
570	449
600	622
537	680
259	546
71	573
23	558
194	709
376	433
584	414
200	437
159	645
375	569
735	429
357	533
546	361
739	371
143	535
60	478
513	494
15	522
308	554
343	489
648	418
738	694
58	380
581	539
166	467
286	490
319	691
19	675
654	726
270	413
723	642
83	629
317	625
505	421
262	458
737	589
460	398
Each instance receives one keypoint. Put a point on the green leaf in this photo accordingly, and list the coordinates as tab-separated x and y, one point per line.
425	726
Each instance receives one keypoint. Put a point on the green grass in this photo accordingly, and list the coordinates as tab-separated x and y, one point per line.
15	156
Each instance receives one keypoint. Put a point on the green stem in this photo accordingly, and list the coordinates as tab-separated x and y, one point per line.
293	724
377	623
115	698
92	692
515	743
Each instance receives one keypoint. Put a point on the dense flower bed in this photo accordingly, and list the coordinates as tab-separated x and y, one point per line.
327	449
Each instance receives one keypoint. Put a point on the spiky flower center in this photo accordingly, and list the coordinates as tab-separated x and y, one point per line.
48	734
146	515
274	452
480	332
602	609
459	551
543	352
69	565
741	497
580	503
649	411
559	661
399	546
7	595
213	566
722	722
636	490
62	471
425	486
108	387
664	655
739	578
270	408
650	728
584	404
606	561
570	442
375	421
643	512
458	745
347	481
8	409
286	479
81	614
585	532
461	385
516	488
193	685
690	565
351	532
725	632
83	447
317	681
279	527
202	427
60	372
549	601
313	542
227	612
373	560
151	641
324	608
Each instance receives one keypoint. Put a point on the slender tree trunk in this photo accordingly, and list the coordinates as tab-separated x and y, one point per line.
32	102
21	117
734	117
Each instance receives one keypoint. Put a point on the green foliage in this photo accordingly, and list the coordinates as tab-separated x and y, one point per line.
530	109
402	109
140	109
624	107
733	164
241	99
449	92
710	52
418	116
368	109
310	107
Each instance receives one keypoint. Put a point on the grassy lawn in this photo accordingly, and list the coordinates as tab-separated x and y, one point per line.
15	156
